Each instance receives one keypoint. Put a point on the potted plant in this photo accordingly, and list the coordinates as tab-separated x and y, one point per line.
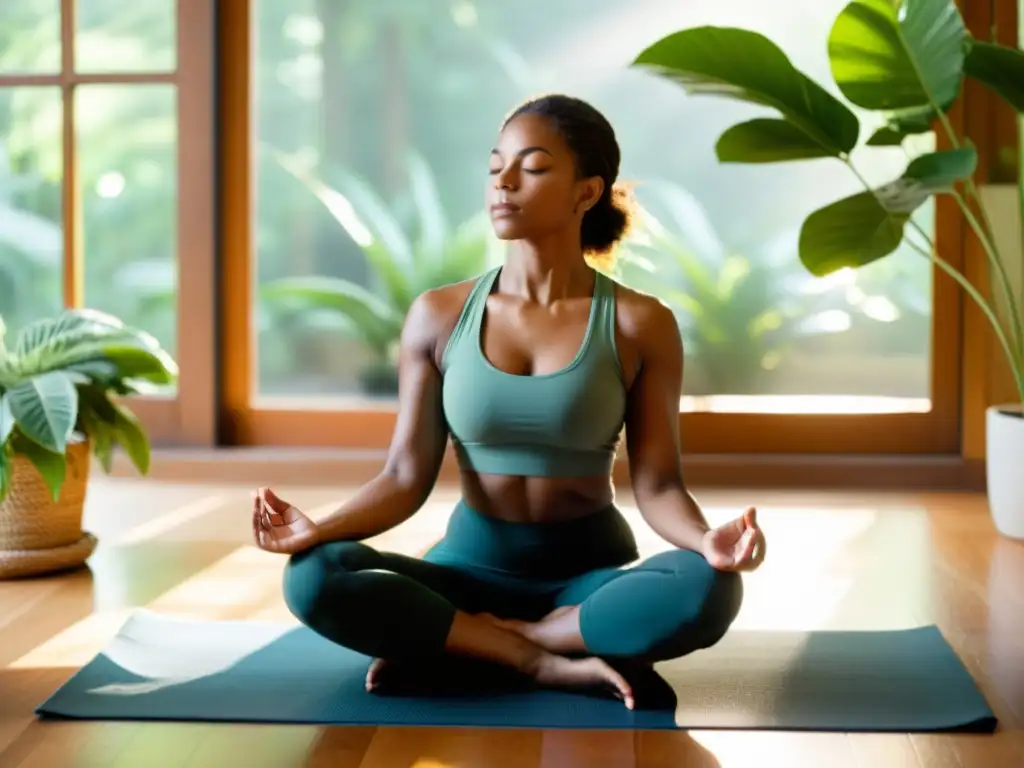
60	381
902	63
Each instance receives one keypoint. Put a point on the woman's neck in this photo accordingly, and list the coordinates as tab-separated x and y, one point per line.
546	271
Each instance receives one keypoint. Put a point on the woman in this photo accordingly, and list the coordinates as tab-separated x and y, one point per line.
534	370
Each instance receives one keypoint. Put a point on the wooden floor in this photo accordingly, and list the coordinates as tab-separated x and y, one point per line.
835	561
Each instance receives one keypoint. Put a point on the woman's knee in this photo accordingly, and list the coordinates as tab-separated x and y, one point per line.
312	575
710	598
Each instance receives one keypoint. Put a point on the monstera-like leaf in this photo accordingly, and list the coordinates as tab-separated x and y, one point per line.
746	66
865	227
999	68
905	59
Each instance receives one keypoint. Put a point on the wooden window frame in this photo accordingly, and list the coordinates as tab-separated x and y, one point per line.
357	424
188	416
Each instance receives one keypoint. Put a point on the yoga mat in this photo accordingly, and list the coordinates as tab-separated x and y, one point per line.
166	668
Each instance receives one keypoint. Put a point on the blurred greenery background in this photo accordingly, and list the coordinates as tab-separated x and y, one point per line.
374	119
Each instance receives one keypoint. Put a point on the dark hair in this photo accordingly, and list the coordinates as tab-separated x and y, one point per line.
592	140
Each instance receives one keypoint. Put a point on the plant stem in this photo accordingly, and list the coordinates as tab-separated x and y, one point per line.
986	234
996	262
1016	366
1016	369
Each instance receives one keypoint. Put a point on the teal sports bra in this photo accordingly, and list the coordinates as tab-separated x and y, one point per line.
562	424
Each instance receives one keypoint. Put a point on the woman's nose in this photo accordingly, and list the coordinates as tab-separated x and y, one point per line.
503	181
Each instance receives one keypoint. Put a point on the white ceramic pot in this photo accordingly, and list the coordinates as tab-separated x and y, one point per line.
1004	457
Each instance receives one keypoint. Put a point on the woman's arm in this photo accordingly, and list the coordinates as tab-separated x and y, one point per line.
652	425
419	439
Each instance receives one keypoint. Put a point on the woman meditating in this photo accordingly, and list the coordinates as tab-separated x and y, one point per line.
534	370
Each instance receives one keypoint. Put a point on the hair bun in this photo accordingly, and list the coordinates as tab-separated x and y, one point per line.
608	221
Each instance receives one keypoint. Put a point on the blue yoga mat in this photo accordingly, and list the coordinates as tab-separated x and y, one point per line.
165	668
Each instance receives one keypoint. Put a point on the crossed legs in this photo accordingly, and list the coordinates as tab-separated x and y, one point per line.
394	607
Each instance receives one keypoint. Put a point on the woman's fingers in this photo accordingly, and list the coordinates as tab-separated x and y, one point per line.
257	522
761	548
748	542
753	551
279	512
290	515
750	517
274	502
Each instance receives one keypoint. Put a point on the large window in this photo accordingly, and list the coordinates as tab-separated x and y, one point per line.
106	181
371	124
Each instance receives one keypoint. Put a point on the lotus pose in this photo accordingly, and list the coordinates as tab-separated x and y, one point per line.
534	370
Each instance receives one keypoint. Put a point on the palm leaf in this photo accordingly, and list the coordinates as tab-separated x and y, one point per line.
365	219
376	321
433	234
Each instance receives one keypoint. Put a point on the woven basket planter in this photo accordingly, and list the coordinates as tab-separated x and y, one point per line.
37	534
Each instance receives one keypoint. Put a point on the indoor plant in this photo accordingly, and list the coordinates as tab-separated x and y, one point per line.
60	380
903	62
403	263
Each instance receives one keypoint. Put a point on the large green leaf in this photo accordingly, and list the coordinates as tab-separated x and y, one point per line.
891	56
366	220
101	434
938	172
903	123
927	175
426	197
52	466
55	335
746	66
129	434
6	471
108	423
767	140
6	419
999	68
374	320
94	344
374	214
126	361
868	226
851	232
468	253
46	409
886	136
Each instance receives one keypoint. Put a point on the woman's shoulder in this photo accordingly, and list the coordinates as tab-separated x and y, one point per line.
639	314
443	302
435	312
645	328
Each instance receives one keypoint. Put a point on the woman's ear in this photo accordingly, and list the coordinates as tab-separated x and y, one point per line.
589	192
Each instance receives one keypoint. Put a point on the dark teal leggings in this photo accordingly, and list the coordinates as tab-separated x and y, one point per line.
393	606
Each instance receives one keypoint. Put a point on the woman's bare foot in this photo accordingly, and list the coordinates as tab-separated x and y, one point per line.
556	632
482	639
560	672
378	667
549	670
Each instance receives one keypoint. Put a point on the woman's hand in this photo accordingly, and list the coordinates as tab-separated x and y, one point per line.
279	527
738	545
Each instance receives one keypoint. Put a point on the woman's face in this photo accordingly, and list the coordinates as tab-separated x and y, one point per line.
533	190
